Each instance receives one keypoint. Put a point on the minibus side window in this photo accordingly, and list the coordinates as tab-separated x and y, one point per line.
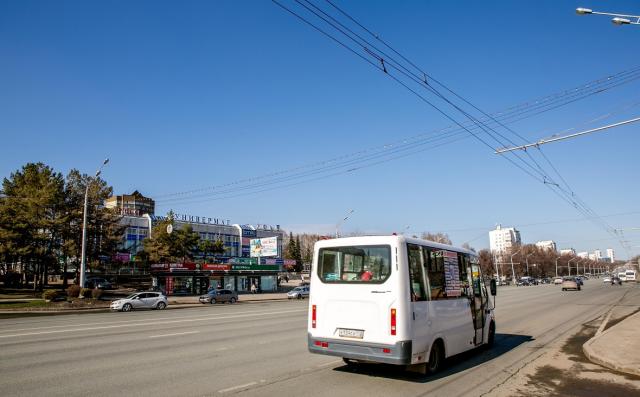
416	278
463	265
435	271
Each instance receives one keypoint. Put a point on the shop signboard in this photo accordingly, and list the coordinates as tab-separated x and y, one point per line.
216	266
243	261
266	246
173	266
122	257
275	268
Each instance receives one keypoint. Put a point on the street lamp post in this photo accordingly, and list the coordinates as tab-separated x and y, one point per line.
341	222
83	257
578	267
513	272
527	259
619	19
569	264
557	265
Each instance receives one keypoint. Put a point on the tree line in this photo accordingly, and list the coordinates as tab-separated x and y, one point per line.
41	215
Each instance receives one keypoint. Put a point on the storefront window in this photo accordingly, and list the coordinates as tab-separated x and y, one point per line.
243	283
268	283
230	282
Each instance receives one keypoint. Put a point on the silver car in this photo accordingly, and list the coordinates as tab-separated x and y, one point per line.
140	300
219	296
298	292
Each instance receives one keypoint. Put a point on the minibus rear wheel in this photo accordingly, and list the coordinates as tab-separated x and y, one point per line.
436	357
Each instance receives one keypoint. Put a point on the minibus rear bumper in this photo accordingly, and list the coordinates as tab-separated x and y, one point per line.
398	353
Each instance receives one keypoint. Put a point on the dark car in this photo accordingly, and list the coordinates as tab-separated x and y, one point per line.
219	296
98	282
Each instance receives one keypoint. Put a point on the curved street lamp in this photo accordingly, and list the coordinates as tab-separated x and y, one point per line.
83	258
619	19
342	221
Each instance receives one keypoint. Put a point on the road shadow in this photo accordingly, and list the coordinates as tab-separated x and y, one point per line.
455	364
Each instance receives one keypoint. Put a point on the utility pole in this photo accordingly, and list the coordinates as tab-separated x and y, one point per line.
557	265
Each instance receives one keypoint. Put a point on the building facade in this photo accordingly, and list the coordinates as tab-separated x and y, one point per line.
548	245
134	204
611	254
568	251
234	269
503	240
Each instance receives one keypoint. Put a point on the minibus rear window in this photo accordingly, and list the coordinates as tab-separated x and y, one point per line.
356	264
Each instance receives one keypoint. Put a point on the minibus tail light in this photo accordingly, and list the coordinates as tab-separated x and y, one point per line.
313	316
393	321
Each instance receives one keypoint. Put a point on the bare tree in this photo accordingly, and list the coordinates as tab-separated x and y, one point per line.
439	237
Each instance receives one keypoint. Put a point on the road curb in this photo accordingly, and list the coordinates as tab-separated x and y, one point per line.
605	361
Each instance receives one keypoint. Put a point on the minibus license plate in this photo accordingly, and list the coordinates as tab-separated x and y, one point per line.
350	333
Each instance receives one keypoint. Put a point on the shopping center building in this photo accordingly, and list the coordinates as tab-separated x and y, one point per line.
233	270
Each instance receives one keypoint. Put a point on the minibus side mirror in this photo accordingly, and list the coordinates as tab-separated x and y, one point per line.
492	286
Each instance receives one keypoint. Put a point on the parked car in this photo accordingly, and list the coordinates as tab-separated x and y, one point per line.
570	283
545	280
97	282
219	296
300	292
140	300
557	280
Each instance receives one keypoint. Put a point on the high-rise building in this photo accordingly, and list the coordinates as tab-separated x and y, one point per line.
134	204
568	251
597	254
548	245
610	254
503	240
584	254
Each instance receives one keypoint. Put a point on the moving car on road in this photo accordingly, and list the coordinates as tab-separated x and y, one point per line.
570	282
140	300
219	296
557	280
298	292
606	279
421	303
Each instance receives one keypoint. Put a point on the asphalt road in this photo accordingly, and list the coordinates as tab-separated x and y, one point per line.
260	349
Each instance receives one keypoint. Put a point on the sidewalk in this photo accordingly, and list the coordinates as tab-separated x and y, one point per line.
618	347
243	298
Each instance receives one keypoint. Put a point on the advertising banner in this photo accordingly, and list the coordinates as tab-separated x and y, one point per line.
451	274
267	246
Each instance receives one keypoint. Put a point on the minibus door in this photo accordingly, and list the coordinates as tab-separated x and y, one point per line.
478	303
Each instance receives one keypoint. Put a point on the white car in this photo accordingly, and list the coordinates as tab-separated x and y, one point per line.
140	300
557	280
606	280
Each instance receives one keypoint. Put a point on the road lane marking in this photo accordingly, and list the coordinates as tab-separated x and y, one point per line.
237	387
148	323
113	322
175	334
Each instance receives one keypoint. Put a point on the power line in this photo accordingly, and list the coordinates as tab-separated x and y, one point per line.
567	196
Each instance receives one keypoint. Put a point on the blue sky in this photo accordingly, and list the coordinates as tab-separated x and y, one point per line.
184	96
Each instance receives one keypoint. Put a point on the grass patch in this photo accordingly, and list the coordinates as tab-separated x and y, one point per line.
24	304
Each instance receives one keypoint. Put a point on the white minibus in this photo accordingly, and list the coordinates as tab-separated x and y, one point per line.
397	300
630	275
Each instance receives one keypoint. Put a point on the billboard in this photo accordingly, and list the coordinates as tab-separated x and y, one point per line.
267	246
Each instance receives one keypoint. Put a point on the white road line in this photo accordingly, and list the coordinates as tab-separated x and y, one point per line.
237	387
146	324
178	333
111	322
